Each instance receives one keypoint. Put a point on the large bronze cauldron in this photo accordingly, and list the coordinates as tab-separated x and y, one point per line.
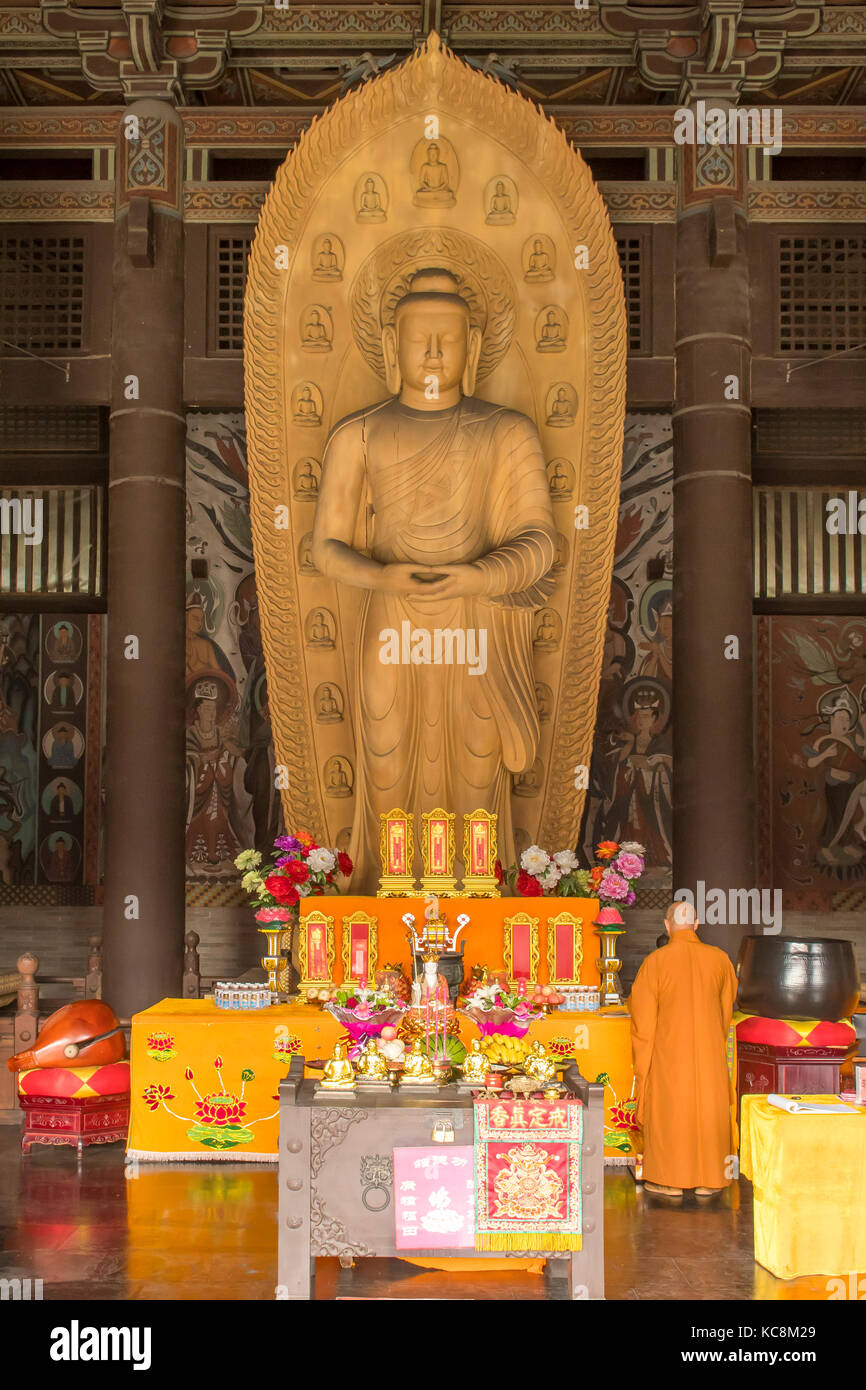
786	977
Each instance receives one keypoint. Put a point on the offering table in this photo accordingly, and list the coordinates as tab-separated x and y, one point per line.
174	1116
336	1175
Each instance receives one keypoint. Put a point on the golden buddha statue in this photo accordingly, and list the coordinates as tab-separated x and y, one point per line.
418	1067
475	1065
339	1072
540	1066
372	1066
463	543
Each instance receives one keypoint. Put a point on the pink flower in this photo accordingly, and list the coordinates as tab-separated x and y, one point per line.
629	865
613	885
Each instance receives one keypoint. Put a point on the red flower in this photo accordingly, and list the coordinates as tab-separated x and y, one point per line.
282	889
220	1110
606	849
155	1095
527	886
596	874
189	1074
297	870
497	872
344	864
217	1061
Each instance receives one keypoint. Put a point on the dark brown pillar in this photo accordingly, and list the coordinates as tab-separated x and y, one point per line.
713	810
144	816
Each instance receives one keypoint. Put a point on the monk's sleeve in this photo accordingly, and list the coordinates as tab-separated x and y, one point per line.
729	994
643	1004
517	571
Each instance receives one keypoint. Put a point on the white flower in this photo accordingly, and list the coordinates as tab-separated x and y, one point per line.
486	996
565	860
632	847
534	860
303	889
248	859
252	882
321	861
550	877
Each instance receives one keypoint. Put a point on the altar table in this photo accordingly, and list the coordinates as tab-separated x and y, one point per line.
205	1080
809	1178
338	1186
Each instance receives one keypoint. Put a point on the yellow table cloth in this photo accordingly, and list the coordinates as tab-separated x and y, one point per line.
205	1081
809	1179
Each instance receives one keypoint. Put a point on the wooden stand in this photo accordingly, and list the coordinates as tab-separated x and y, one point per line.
763	1069
77	1121
328	1141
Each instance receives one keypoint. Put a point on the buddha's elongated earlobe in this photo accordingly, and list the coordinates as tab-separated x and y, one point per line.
473	352
393	380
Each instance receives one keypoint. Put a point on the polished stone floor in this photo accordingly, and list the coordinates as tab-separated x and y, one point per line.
208	1231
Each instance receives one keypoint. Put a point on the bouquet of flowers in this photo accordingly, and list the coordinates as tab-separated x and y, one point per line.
365	1012
298	868
611	878
493	1010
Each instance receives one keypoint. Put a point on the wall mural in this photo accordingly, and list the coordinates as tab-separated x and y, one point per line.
630	773
232	803
19	757
812	779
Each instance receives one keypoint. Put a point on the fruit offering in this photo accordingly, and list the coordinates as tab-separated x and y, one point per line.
321	994
506	1050
546	997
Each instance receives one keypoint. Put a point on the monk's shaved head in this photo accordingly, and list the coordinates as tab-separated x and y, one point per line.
681	916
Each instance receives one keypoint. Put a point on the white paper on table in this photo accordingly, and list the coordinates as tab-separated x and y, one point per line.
798	1105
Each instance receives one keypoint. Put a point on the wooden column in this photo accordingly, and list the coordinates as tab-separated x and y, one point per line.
713	769
144	814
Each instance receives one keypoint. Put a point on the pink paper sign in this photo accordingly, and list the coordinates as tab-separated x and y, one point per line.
434	1197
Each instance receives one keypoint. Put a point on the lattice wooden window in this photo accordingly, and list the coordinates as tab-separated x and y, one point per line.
228	278
794	553
42	291
631	258
824	433
822	293
40	429
51	541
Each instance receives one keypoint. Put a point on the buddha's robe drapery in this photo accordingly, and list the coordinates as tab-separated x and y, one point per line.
450	487
681	1006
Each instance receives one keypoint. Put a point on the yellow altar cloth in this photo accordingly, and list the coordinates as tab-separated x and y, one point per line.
809	1178
205	1080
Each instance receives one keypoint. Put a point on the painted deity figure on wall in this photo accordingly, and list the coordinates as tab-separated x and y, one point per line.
839	754
219	822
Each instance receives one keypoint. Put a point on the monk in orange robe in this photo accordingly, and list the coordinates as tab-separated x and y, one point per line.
681	1006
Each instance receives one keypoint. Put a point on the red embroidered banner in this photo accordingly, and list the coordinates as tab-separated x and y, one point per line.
527	1174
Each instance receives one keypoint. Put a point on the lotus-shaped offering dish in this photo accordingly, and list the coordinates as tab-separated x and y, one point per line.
364	1022
514	1023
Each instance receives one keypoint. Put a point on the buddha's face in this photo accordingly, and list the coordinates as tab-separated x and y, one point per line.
432	340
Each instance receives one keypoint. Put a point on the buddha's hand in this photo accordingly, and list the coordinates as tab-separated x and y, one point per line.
421	581
456	581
